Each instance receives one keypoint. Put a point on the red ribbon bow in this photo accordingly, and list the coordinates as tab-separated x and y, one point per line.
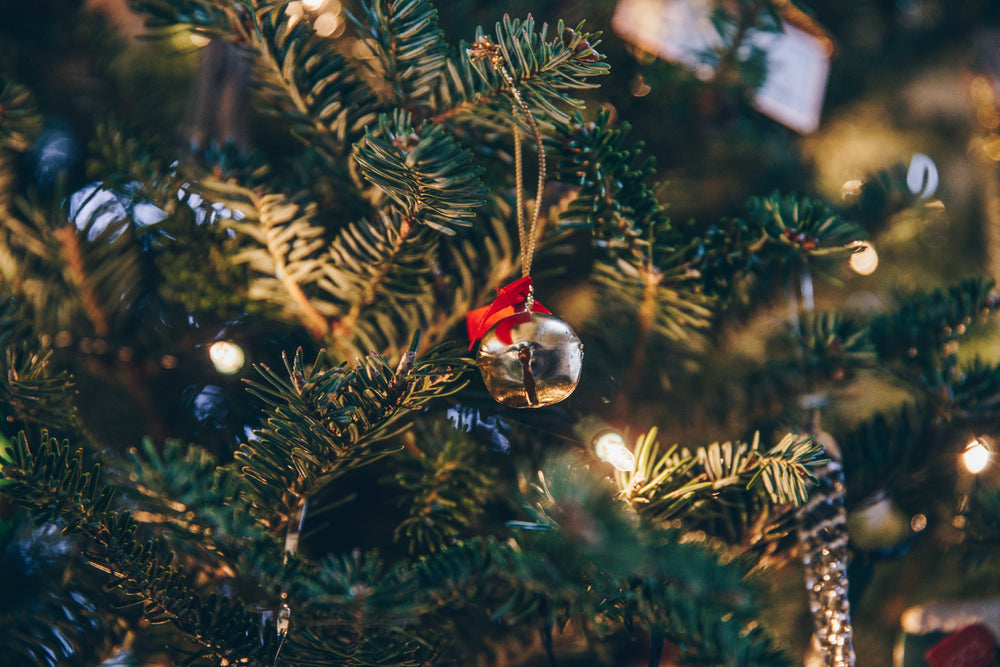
510	301
972	646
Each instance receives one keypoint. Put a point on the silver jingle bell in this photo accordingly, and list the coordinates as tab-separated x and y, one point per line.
530	360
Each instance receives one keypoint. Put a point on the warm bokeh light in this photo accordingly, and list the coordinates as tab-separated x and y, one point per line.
639	87
228	358
294	12
851	188
976	456
863	261
199	39
313	5
610	447
326	24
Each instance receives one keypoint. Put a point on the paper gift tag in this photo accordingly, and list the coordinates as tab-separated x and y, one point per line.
798	67
682	31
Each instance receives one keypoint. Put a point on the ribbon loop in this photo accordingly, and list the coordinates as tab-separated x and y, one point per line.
511	299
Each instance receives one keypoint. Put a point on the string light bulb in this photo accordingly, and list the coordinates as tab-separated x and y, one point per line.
976	456
227	357
610	447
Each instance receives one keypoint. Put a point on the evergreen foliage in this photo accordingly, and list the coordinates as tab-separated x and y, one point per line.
348	522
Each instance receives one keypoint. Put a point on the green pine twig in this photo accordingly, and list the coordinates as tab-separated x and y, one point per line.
49	481
322	423
424	171
680	484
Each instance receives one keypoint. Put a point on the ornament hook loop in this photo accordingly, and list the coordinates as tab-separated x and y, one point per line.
484	49
529	299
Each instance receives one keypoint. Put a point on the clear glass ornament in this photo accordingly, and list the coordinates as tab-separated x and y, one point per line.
530	360
823	538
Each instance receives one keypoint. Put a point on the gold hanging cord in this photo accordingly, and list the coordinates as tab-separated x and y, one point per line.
486	49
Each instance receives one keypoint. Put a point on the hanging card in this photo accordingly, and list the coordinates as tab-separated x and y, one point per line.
682	31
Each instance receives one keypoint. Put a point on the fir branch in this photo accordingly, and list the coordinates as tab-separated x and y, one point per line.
375	282
724	254
544	70
329	287
641	260
975	394
738	57
446	486
96	255
374	614
659	286
784	470
20	121
796	229
435	280
291	256
697	596
56	628
685	590
424	171
409	46
309	81
139	166
382	262
301	75
833	344
614	199
77	274
680	484
330	421
710	630
888	453
203	15
928	325
51	484
394	615
31	394
982	521
194	496
20	125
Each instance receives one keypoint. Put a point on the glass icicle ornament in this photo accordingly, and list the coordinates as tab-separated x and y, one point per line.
822	536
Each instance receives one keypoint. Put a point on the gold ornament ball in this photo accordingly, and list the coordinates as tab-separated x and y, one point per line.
530	360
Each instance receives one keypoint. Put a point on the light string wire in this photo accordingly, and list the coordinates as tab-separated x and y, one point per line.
292	537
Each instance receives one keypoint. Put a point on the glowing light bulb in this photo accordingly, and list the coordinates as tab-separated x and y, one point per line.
976	456
312	5
865	260
610	447
227	357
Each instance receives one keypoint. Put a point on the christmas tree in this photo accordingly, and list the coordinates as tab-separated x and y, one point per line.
245	248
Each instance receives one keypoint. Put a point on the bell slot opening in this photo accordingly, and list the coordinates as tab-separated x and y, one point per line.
524	356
